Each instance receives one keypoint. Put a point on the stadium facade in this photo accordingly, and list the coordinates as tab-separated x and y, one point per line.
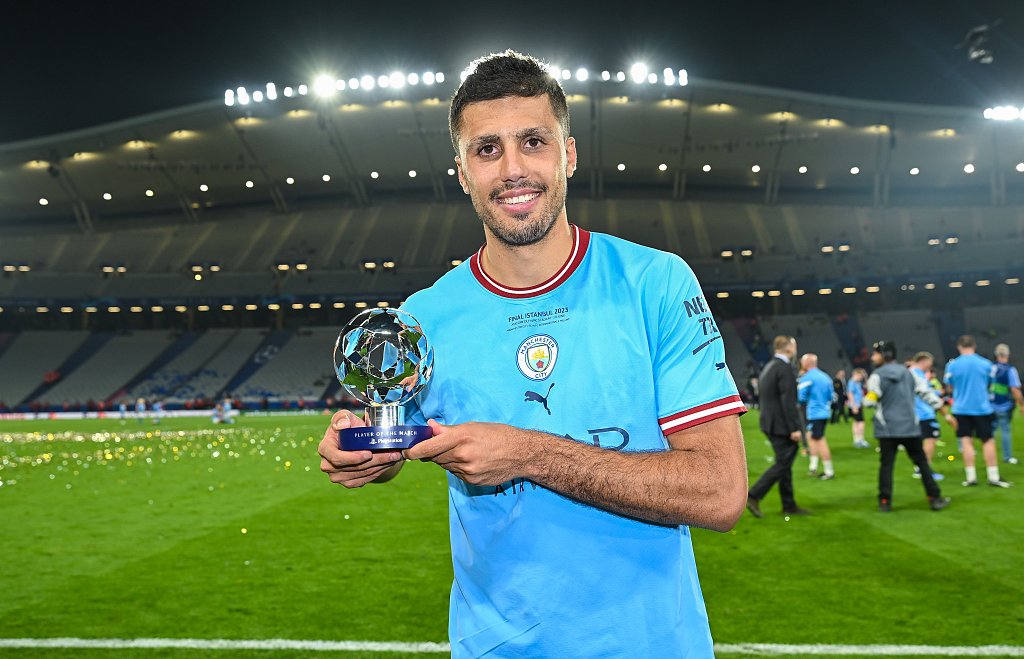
215	248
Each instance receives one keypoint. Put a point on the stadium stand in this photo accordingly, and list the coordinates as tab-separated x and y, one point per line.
210	378
813	333
31	356
164	382
111	366
301	370
913	331
994	325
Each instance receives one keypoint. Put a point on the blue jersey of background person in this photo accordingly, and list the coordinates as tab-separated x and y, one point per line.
617	350
815	390
970	375
925	412
856	390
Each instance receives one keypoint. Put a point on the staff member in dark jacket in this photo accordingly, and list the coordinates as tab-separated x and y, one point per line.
893	389
780	420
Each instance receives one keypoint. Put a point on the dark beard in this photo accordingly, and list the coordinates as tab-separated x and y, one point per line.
522	232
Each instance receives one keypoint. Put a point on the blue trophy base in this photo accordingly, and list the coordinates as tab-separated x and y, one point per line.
383	438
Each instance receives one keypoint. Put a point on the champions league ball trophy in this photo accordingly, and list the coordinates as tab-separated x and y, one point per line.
383	360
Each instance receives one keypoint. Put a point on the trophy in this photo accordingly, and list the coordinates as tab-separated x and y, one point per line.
383	360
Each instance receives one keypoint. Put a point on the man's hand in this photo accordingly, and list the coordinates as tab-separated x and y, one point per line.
796	435
354	468
477	453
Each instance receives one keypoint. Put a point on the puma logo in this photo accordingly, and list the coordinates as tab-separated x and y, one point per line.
543	400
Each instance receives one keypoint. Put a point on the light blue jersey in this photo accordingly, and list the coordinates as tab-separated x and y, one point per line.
814	389
617	349
925	412
856	390
969	375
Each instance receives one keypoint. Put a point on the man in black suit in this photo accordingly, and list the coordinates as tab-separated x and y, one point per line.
780	420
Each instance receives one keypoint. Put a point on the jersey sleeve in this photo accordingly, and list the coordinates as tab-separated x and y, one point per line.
1014	377
692	383
803	390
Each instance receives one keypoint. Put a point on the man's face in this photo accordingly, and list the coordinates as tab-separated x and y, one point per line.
791	350
876	358
514	164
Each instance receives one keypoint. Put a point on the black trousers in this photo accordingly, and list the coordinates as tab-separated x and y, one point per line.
781	472
916	453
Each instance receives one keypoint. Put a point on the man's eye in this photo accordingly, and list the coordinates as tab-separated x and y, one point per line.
488	150
534	142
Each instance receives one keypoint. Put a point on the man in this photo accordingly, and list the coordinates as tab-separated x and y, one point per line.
780	421
969	376
855	401
893	388
920	366
839	399
1005	381
569	508
815	392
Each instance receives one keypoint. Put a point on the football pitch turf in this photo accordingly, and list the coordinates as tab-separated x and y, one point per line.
189	530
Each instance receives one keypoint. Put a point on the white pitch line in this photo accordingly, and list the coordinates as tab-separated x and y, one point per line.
769	649
762	649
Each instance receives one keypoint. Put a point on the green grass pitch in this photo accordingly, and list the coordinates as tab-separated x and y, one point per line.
126	530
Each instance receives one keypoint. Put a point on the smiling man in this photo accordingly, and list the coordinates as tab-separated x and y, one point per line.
569	504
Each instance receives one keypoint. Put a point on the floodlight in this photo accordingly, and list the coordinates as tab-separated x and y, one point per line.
439	77
638	72
242	96
606	75
581	74
257	96
413	78
229	97
367	82
914	171
303	90
969	168
289	92
802	169
323	85
397	79
383	81
428	78
107	196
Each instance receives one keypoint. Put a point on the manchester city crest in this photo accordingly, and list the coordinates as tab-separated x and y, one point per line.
536	356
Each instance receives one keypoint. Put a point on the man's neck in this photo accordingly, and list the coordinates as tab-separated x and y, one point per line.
528	265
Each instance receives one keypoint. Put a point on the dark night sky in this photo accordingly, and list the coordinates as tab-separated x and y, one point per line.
69	65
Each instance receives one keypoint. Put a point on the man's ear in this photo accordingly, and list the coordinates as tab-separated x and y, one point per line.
570	156
462	175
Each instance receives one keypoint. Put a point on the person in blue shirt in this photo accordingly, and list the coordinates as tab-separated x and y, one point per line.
855	401
580	403
814	390
921	368
1005	392
969	376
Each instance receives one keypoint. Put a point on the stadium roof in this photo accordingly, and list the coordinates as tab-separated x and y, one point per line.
360	146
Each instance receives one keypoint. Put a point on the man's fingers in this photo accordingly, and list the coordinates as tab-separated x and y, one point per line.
429	448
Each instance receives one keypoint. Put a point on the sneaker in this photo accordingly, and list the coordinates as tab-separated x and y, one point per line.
917	473
860	443
969	483
826	477
884	506
938	503
754	509
1000	483
1011	461
801	512
812	473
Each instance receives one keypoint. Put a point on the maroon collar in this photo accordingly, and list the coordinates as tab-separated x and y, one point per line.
580	243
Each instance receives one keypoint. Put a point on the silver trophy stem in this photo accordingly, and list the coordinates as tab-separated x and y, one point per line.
385	416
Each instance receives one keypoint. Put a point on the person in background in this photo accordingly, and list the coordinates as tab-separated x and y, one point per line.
894	390
780	421
815	392
855	401
1005	392
969	376
920	367
839	400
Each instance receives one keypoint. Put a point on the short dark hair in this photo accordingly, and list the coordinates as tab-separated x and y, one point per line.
500	75
966	341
